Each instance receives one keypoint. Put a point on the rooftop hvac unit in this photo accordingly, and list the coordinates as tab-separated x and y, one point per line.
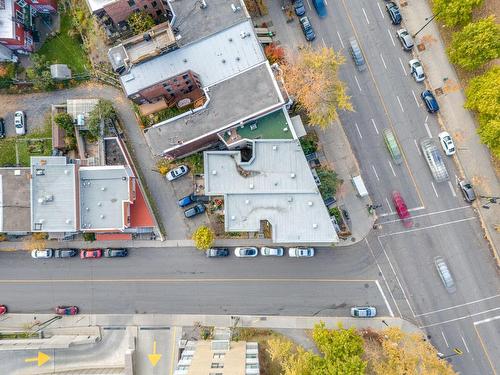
40	172
80	119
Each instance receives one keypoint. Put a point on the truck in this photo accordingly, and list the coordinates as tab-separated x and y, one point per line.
320	7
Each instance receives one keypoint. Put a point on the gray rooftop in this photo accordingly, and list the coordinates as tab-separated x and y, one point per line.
7	26
15	200
194	23
103	193
214	59
244	96
75	107
275	185
53	198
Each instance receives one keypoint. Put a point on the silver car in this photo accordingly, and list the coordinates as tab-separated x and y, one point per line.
417	70
405	39
272	251
363	312
42	253
445	274
301	252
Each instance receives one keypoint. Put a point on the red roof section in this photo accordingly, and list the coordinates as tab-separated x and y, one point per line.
139	211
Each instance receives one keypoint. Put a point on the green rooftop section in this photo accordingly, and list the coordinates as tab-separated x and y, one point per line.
271	126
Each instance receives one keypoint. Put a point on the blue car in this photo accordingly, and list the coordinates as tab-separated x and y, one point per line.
307	29
430	101
299	7
320	7
394	13
199	208
186	201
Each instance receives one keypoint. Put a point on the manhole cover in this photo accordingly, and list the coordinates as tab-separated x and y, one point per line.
439	91
421	47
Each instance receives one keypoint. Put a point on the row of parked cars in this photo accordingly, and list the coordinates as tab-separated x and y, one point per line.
84	253
19	124
252	252
59	310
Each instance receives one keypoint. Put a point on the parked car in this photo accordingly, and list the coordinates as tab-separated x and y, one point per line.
445	274
246	252
2	128
217	252
307	29
301	252
186	201
115	253
299	8
405	39
3	309
363	311
175	173
272	251
42	253
66	310
417	70
90	253
394	13
467	191
401	209
430	101
20	122
197	209
357	55
65	253
446	143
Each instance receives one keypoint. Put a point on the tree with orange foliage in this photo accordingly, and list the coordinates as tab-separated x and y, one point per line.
274	53
311	77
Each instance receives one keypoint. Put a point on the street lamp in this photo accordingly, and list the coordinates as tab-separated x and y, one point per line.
456	350
428	22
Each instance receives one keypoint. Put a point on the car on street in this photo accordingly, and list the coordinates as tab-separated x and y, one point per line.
417	70
445	274
447	143
307	29
272	251
197	209
217	252
356	54
393	11
430	101
320	7
90	253
363	311
392	146
20	122
65	253
66	310
115	253
3	309
467	190
301	252
299	8
42	253
175	173
246	252
405	39
2	128
401	209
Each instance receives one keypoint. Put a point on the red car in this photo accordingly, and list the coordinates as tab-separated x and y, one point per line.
3	309
91	253
66	310
401	209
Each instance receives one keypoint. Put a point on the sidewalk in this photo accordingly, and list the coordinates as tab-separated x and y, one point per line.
473	158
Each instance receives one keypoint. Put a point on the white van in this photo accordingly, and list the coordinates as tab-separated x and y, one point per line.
358	183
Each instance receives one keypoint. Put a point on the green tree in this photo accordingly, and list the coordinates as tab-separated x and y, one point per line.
65	121
39	73
455	12
203	238
104	110
140	22
476	44
329	182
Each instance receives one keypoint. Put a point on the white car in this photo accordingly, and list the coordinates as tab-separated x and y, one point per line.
301	252
246	252
42	253
417	70
272	251
363	311
20	123
175	173
405	39
447	143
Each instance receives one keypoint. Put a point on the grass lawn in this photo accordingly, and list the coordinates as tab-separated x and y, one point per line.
33	147
64	49
8	152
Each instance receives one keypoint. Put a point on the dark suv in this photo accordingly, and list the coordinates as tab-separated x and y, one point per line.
307	29
199	208
115	253
2	128
430	101
394	14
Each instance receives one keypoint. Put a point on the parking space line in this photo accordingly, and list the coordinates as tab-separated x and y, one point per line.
374	171
465	344
383	61
366	17
444	338
385	299
374	125
459	318
392	38
415	97
452	189
392	169
434	188
341	42
403	67
380	9
357	128
401	105
418	148
427	129
357	82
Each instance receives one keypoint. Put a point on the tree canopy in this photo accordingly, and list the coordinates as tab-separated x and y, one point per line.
65	121
104	110
455	12
311	77
476	44
140	22
203	238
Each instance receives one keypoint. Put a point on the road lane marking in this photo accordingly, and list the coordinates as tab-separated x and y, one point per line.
401	105
374	125
392	38
385	299
427	129
357	82
308	3
389	205
324	44
429	227
341	42
434	188
357	128
427	214
426	118
444	338
326	3
374	171
403	66
460	318
465	344
452	189
383	61
484	350
392	169
178	280
487	320
380	9
366	17
416	209
415	97
418	148
172	354
457	306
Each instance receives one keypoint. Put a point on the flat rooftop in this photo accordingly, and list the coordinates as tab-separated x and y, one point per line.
194	23
214	59
103	193
99	4
275	185
7	26
242	97
53	198
15	200
75	107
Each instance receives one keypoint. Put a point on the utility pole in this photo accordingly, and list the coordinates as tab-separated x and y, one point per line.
428	22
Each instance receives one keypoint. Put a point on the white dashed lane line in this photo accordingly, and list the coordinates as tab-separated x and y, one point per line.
357	128
403	67
383	61
392	38
401	105
427	129
415	97
341	42
452	189
366	17
357	82
375	172
380	9
434	188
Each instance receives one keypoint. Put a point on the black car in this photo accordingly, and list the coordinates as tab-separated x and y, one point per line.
197	209
430	101
115	253
2	128
394	14
299	7
307	29
65	253
217	252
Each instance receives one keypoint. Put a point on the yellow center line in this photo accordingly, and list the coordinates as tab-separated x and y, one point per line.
485	351
172	354
180	280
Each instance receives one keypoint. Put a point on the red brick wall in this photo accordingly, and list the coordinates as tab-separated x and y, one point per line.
120	10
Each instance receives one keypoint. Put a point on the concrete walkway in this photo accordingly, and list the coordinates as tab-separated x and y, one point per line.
473	158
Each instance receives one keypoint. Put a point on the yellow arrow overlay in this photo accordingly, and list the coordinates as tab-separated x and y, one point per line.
154	357
41	359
